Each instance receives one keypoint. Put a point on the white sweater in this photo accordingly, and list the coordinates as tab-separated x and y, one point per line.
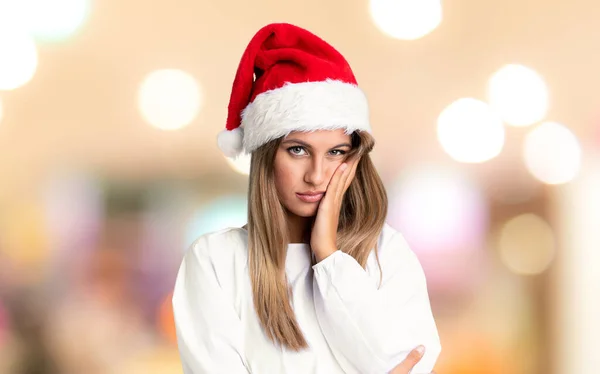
350	323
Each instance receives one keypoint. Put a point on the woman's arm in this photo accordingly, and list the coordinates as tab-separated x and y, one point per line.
209	332
371	329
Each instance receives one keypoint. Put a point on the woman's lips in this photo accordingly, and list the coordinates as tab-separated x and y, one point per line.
310	198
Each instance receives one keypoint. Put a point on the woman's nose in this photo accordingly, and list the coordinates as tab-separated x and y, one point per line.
315	173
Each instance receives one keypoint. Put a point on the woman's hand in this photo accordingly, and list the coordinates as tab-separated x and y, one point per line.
410	361
324	230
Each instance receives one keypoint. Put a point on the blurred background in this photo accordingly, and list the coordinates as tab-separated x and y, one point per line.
487	121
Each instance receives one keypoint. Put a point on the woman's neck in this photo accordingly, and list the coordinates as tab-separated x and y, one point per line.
299	228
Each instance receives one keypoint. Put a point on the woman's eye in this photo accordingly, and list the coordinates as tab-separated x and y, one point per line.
295	150
300	151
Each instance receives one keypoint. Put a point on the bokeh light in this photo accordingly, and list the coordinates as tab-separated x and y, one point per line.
240	164
13	14
25	237
161	359
74	209
468	348
166	319
169	99
469	131
54	20
438	209
519	94
1	111
552	153
223	212
19	58
526	244
443	216
406	19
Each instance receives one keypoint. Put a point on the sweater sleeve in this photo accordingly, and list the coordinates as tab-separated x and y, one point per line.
209	332
371	328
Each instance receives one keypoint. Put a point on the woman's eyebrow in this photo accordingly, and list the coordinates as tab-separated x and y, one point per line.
310	147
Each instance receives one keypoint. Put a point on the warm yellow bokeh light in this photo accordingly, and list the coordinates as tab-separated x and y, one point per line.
169	99
406	19
153	359
518	94
25	237
1	111
18	58
552	153
54	19
469	131
526	244
240	164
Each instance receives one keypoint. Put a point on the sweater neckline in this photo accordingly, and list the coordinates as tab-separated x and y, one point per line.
290	245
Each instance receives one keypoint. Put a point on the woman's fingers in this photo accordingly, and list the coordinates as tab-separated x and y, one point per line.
410	361
337	177
351	174
347	177
341	179
338	180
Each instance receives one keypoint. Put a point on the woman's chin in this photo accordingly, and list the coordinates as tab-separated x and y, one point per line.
305	212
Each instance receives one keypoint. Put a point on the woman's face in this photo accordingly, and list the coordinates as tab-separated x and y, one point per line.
304	164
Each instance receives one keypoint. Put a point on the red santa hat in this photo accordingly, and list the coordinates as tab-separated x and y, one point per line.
290	80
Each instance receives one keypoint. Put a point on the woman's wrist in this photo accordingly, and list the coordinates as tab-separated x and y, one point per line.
322	254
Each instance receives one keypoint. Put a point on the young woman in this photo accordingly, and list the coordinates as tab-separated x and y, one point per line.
316	282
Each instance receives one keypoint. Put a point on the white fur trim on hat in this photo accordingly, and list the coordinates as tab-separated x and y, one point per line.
307	106
231	141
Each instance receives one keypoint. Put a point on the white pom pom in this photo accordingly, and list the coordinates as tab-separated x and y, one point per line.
231	141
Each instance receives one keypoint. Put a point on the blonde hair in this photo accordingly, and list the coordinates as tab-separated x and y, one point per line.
362	217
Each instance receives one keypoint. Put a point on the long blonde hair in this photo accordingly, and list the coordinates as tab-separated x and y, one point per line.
362	217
